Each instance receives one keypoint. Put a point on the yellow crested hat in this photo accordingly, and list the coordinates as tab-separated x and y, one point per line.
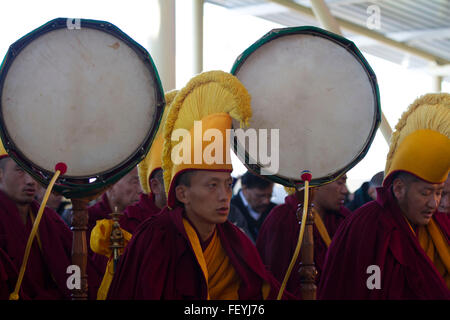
289	190
3	153
196	132
421	143
152	160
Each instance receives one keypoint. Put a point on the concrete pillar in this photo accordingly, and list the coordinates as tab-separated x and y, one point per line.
324	16
197	39
162	42
436	83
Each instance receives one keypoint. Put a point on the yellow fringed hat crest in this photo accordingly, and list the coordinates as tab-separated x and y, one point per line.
153	159
3	152
421	143
209	101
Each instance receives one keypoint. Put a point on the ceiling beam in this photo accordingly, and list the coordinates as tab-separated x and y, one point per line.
353	27
442	70
260	9
429	34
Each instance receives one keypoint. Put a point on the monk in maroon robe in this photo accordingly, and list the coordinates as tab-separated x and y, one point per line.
122	194
45	276
132	217
160	263
279	233
378	234
150	203
397	247
190	250
137	213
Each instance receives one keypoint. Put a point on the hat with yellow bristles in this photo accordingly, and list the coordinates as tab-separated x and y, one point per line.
3	153
152	160
421	143
206	105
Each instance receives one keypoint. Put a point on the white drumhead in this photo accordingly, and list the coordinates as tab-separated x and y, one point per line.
82	97
319	97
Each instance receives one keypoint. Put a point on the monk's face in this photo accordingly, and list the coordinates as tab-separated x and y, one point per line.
417	199
444	205
207	198
331	196
126	191
257	198
17	183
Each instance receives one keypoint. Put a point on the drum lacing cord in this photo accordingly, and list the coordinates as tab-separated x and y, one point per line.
60	169
306	177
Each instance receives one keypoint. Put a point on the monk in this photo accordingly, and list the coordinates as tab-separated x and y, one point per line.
45	276
397	247
122	194
190	250
279	233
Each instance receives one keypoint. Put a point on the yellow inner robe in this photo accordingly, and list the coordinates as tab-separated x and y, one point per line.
222	280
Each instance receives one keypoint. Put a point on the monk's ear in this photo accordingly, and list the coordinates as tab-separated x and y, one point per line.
182	193
399	188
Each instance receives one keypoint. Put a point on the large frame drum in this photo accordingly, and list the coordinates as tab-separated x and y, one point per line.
319	91
80	92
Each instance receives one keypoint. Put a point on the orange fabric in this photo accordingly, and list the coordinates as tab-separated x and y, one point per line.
222	280
100	242
436	247
321	228
219	122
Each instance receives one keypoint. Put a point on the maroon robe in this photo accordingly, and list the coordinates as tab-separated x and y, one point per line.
45	276
159	262
132	218
98	211
278	238
378	234
8	277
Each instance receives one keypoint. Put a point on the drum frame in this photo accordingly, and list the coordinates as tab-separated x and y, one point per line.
80	186
352	49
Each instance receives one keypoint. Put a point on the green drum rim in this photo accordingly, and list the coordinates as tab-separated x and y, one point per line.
71	187
350	47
